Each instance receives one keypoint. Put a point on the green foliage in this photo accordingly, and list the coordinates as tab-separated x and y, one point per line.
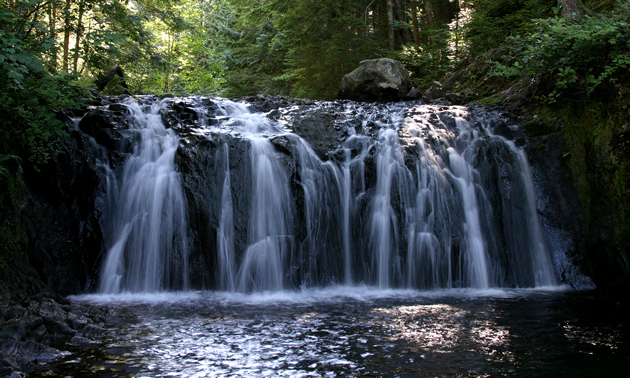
116	36
575	57
253	60
325	40
298	48
493	20
181	58
429	62
29	93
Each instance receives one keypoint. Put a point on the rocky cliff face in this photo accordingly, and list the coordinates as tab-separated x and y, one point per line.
62	215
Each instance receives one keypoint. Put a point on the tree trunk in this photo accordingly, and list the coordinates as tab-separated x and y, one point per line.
414	23
116	70
570	9
429	15
52	17
405	34
66	37
392	31
78	35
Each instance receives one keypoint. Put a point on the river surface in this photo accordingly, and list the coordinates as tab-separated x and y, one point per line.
357	331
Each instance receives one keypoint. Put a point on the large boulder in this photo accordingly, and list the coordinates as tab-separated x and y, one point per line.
381	79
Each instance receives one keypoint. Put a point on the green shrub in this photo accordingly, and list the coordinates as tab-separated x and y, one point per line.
574	58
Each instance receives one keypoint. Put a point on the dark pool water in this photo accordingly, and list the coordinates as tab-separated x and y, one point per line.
358	331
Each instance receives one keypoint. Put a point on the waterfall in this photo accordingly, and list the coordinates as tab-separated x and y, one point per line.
270	222
351	195
225	233
148	243
403	195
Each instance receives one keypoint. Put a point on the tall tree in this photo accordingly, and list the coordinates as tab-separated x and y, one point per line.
67	28
391	20
79	35
414	21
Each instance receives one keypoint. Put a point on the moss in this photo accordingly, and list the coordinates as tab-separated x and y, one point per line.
596	135
540	124
490	100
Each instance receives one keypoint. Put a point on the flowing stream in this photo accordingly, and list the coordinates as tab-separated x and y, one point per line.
400	240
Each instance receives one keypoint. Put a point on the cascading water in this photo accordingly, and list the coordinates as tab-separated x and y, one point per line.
269	233
148	242
225	233
410	196
351	194
475	256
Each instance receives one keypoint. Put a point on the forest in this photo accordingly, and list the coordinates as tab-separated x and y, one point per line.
153	146
568	59
54	51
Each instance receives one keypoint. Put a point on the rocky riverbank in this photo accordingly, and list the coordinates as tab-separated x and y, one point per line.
42	327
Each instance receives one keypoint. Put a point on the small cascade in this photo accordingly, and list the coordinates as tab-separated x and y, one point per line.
533	235
403	195
225	233
270	222
321	185
148	244
392	176
352	192
474	259
430	229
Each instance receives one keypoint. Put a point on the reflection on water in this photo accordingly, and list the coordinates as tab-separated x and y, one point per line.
359	331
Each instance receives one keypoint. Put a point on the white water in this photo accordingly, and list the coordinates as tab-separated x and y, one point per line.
349	197
476	260
270	222
542	266
405	208
225	233
329	295
148	244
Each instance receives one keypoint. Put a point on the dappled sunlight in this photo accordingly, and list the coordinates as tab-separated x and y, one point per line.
442	329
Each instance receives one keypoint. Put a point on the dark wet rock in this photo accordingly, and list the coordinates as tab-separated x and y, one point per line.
434	93
282	144
413	94
318	129
29	328
185	114
203	164
101	125
456	98
558	204
62	214
381	80
264	103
